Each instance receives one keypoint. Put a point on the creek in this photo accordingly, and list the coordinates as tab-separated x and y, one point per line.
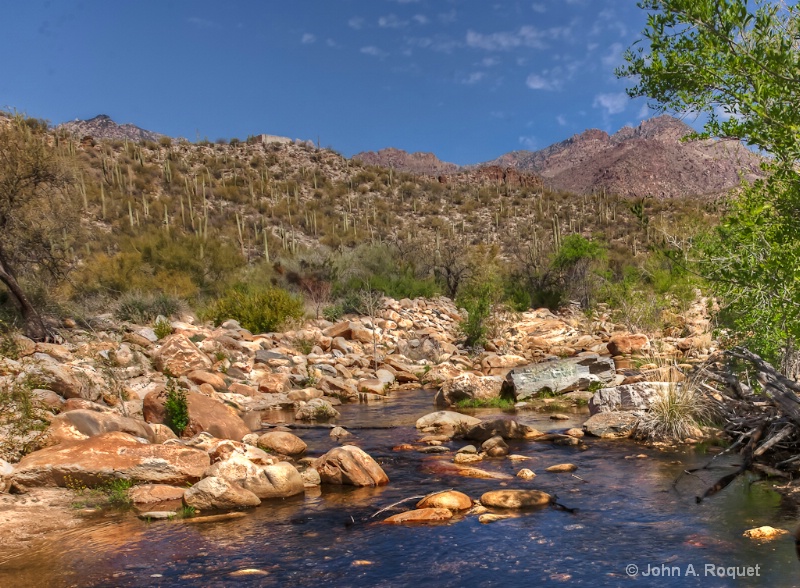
629	512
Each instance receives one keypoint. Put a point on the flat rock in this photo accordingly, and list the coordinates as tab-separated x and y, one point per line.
151	493
515	498
157	515
561	468
487	518
90	423
422	515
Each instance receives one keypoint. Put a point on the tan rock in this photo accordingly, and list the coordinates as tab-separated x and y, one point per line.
150	493
202	377
628	344
91	423
108	456
577	433
282	442
350	465
316	409
423	515
243	389
304	395
449	499
275	384
515	498
178	356
205	414
280	480
526	474
372	386
766	533
162	433
561	468
219	494
469	386
463	458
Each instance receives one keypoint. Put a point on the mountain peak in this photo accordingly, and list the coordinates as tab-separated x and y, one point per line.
103	127
418	163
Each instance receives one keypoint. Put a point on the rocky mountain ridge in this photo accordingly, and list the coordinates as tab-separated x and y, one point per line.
416	163
103	127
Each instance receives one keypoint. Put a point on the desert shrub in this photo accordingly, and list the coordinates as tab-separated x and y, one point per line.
477	301
259	310
176	408
675	414
162	327
145	307
23	420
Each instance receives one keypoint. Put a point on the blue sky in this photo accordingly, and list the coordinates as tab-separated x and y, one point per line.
468	80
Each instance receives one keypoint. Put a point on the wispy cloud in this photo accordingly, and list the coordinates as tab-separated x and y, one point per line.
537	82
529	142
473	78
613	57
391	21
448	17
374	51
644	111
540	8
308	38
200	23
612	103
489	61
526	36
561	120
421	19
356	22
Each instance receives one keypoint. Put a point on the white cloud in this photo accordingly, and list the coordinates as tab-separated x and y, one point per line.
529	142
537	82
526	36
308	38
356	22
489	61
540	8
561	120
391	21
421	19
372	50
331	43
614	56
473	78
612	103
644	111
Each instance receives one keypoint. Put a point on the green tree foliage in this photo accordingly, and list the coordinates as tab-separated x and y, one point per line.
575	260
738	62
176	408
259	310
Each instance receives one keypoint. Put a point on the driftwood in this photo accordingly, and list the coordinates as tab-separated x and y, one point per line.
766	426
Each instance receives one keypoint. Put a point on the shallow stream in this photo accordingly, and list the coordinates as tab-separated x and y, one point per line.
629	513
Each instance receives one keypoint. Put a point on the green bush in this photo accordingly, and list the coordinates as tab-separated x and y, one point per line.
478	304
176	408
23	420
145	307
257	310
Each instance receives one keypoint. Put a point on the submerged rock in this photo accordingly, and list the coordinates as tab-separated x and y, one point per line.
316	409
350	465
766	533
515	498
422	515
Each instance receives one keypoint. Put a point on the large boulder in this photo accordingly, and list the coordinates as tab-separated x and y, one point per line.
205	414
447	419
611	425
282	442
469	386
505	428
316	409
628	344
178	356
108	456
76	424
350	465
515	498
273	481
561	375
637	396
154	493
219	494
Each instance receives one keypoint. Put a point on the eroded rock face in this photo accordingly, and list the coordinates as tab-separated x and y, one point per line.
469	386
350	465
178	356
219	494
90	423
205	414
557	376
450	499
282	442
108	456
515	498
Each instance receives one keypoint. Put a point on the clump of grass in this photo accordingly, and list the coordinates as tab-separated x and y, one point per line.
162	328
109	493
501	403
187	511
675	414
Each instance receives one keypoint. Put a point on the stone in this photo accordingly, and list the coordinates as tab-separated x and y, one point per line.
505	428
468	449
90	424
441	373
557	376
282	442
462	458
178	356
205	414
637	396
152	493
108	456
339	433
766	533
310	478
385	376
83	404
222	449
280	480
487	518
611	425
422	515
469	386
350	465
61	380
450	499
49	398
6	473
446	418
202	377
574	432
243	389
372	386
514	498
275	383
304	395
157	515
526	474
341	329
219	494
561	468
628	344
316	409
495	447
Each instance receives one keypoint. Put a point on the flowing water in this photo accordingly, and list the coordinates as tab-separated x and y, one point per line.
629	513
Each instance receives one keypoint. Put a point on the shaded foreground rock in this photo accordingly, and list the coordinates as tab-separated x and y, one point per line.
109	456
350	465
205	414
515	498
219	493
562	375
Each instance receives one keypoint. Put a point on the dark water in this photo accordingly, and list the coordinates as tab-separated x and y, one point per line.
629	512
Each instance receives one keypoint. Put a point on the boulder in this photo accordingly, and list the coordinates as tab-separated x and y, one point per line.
557	376
62	380
310	478
611	425
200	377
447	419
350	465
162	433
205	414
108	456
562	468
152	493
505	428
495	447
526	474
637	396
219	494
282	442
6	473
89	423
280	480
275	383
422	515
469	386
178	356
316	409
628	344
449	499
515	498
